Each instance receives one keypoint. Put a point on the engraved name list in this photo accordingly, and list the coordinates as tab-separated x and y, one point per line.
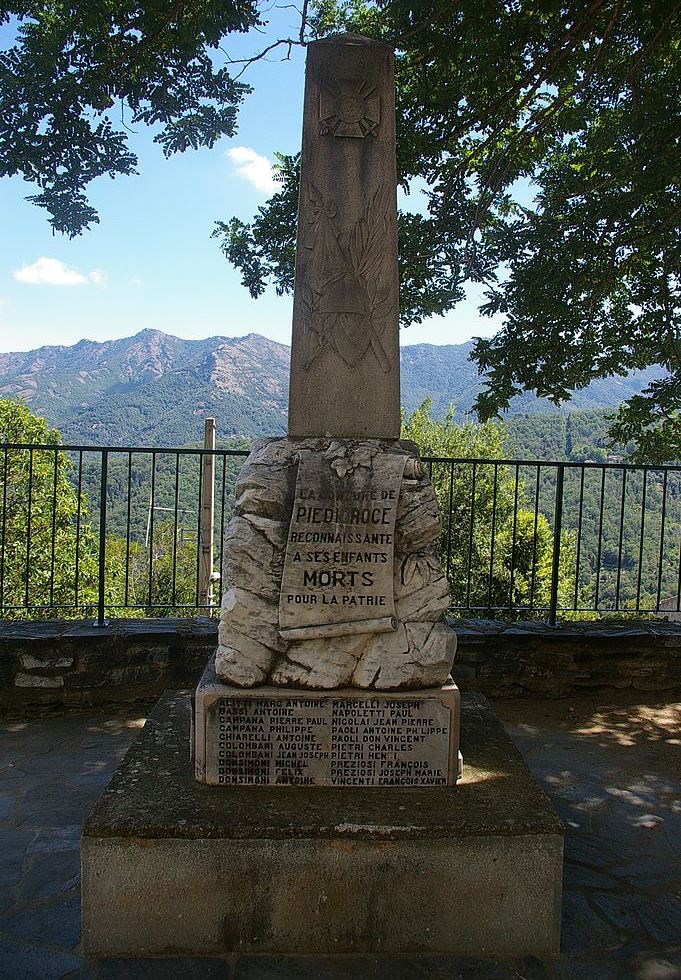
382	741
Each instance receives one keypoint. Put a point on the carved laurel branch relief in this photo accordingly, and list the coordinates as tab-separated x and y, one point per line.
347	306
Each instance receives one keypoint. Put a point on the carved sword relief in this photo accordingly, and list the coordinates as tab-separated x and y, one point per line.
346	306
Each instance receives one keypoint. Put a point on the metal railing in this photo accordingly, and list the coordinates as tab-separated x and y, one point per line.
95	531
529	537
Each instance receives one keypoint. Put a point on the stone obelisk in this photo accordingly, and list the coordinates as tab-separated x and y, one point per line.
326	726
333	591
345	368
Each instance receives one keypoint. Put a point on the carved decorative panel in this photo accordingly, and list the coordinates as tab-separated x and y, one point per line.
352	108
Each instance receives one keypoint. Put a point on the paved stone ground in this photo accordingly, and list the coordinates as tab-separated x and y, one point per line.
614	775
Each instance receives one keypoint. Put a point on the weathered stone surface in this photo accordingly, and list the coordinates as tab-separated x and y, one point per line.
534	659
251	561
380	649
338	571
323	651
319	869
273	531
263	489
421	588
418	519
343	737
37	680
344	355
244	660
252	615
274	454
415	656
29	662
321	664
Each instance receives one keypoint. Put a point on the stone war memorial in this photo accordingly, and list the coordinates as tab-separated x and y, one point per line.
310	797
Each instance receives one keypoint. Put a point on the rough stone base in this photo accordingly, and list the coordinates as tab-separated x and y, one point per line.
272	632
172	866
270	736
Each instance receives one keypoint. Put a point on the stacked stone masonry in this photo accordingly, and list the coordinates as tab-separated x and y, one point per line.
531	659
63	664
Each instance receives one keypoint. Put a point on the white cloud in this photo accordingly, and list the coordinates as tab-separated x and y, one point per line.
52	272
136	281
98	277
48	272
254	168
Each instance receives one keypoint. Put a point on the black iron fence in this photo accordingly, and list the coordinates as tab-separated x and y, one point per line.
91	531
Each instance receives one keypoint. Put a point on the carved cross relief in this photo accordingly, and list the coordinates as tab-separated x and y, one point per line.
351	108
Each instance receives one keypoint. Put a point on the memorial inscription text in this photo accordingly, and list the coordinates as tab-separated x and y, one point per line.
328	742
339	555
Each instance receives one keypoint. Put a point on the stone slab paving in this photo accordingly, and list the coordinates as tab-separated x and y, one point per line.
614	775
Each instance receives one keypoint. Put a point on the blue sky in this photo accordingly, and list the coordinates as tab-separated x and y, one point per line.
151	262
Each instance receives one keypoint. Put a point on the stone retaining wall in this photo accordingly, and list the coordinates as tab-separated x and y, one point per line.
64	664
535	660
58	665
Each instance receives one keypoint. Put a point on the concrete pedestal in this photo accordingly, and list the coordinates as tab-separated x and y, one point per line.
174	866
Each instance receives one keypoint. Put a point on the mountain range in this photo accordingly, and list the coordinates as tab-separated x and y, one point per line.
154	389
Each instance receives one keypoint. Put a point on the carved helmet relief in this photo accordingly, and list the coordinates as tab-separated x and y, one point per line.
350	108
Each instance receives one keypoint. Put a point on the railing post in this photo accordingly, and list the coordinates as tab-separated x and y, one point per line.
207	516
557	530
102	539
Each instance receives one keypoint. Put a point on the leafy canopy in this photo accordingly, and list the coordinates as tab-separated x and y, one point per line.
48	552
546	132
497	551
80	74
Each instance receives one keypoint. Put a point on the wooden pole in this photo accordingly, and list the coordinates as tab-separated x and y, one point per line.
207	516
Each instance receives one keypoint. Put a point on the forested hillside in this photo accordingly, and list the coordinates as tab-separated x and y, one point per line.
578	436
153	389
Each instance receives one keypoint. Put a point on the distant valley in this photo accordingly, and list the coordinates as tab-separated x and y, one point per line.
155	390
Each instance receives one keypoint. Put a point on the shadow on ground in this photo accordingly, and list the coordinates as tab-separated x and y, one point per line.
614	775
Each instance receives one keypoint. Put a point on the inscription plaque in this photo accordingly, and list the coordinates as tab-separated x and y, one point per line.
328	741
338	569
